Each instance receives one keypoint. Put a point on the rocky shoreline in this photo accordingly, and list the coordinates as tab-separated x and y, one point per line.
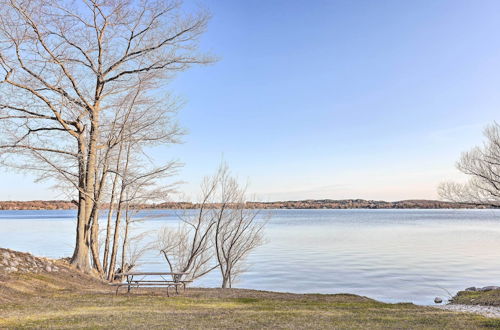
488	311
14	261
484	310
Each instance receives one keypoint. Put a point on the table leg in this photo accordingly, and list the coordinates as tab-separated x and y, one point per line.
129	281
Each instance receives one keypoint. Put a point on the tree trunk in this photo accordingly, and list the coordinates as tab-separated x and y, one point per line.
80	258
110	212
108	226
123	188
91	169
94	240
125	236
225	283
114	250
87	177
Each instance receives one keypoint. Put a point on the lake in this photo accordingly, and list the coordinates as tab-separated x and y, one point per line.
388	255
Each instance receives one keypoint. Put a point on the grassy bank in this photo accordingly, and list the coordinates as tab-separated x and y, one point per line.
73	300
485	298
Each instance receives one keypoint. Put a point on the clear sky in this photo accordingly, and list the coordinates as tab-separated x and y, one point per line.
333	99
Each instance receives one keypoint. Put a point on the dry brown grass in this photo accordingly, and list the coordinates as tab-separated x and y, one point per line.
75	300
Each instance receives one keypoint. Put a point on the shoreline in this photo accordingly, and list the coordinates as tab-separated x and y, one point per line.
486	311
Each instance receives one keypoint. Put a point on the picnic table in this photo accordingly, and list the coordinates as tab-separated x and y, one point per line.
144	280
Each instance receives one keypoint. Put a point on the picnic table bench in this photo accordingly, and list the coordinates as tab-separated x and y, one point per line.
130	281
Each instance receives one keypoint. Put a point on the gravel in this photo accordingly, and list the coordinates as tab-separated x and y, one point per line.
488	311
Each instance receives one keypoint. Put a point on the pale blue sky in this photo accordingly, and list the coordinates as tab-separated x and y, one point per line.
334	99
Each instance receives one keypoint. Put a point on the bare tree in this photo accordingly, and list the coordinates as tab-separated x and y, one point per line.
68	69
482	165
189	248
237	230
221	235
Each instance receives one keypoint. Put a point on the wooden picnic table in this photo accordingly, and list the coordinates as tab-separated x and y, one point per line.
130	282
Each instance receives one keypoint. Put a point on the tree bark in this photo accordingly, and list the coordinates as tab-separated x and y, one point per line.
80	258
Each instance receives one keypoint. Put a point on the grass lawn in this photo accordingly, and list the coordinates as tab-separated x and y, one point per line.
70	301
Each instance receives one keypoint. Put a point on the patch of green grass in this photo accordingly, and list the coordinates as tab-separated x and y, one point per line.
489	298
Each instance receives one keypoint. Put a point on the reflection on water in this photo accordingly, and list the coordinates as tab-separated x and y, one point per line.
389	255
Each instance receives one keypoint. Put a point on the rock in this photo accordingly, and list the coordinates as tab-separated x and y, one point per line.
489	288
488	311
6	255
48	269
472	288
438	300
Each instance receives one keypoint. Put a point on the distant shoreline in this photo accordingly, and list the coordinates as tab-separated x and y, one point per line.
301	205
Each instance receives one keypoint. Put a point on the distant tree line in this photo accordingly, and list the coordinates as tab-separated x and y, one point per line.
302	204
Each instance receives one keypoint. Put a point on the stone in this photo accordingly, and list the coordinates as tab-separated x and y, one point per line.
489	288
472	288
48	269
438	300
6	255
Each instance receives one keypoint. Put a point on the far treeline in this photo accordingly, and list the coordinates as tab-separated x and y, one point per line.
303	204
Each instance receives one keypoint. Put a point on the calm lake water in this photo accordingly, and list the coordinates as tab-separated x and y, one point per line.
389	255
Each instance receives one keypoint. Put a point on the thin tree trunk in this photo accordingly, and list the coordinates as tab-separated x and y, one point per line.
91	170
114	251
110	212
108	227
125	236
94	240
95	216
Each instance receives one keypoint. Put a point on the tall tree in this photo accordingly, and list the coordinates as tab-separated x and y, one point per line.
68	67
